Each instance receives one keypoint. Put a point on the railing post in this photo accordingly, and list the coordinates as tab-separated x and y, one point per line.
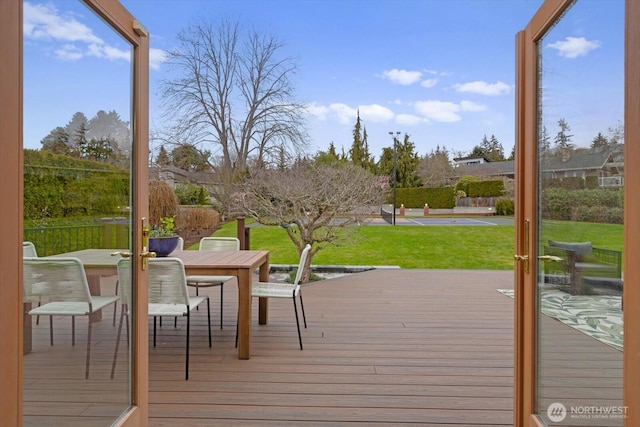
108	225
240	233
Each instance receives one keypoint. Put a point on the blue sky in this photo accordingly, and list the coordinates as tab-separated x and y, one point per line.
442	71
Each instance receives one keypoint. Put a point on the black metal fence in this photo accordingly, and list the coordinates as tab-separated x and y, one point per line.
51	240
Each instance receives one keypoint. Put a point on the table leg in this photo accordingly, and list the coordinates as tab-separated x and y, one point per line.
263	303
244	314
26	329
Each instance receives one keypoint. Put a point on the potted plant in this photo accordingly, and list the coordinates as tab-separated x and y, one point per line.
163	239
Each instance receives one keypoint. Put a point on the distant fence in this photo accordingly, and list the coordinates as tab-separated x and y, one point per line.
476	202
111	233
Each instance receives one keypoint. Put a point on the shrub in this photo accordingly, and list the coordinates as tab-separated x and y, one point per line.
191	194
488	188
195	223
505	207
163	202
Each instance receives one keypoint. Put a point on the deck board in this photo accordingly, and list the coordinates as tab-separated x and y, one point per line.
384	347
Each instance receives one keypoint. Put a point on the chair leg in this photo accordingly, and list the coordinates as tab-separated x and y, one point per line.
51	329
209	318
295	309
86	375
115	353
186	376
115	305
303	316
237	322
221	300
154	330
73	330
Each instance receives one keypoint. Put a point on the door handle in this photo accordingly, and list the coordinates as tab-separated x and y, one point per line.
144	251
521	257
122	254
551	258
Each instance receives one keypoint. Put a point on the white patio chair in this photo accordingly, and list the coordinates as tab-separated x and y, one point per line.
214	244
64	284
284	290
124	285
169	296
29	250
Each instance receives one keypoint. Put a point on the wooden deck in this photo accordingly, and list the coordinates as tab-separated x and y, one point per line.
385	347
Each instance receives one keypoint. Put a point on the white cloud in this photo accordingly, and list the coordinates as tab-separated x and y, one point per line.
429	83
573	47
472	106
402	77
347	115
68	52
443	111
483	88
408	119
156	57
108	52
439	111
375	113
318	111
343	113
43	22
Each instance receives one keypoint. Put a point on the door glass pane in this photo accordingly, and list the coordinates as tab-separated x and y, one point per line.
77	189
580	181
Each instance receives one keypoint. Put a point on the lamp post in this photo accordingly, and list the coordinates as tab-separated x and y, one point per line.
397	134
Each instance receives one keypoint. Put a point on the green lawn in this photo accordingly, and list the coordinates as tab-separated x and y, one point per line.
438	247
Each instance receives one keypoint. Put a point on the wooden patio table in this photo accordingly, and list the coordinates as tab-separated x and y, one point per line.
242	264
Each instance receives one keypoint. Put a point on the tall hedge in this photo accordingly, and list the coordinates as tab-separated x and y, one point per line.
58	186
489	188
417	197
597	205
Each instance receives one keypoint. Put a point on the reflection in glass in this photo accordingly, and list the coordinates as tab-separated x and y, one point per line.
580	158
77	137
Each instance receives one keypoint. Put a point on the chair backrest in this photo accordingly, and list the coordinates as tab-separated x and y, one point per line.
303	259
167	281
29	250
219	244
180	246
60	279
124	280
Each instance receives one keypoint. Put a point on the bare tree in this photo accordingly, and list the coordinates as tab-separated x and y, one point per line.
435	169
234	95
315	204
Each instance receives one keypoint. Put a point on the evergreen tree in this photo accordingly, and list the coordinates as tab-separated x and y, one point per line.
57	142
356	153
406	164
99	149
329	157
80	141
189	158
563	138
163	157
496	151
544	144
600	143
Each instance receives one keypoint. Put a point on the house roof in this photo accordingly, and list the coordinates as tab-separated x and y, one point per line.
577	161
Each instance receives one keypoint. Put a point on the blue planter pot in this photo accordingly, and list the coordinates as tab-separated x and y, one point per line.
163	246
